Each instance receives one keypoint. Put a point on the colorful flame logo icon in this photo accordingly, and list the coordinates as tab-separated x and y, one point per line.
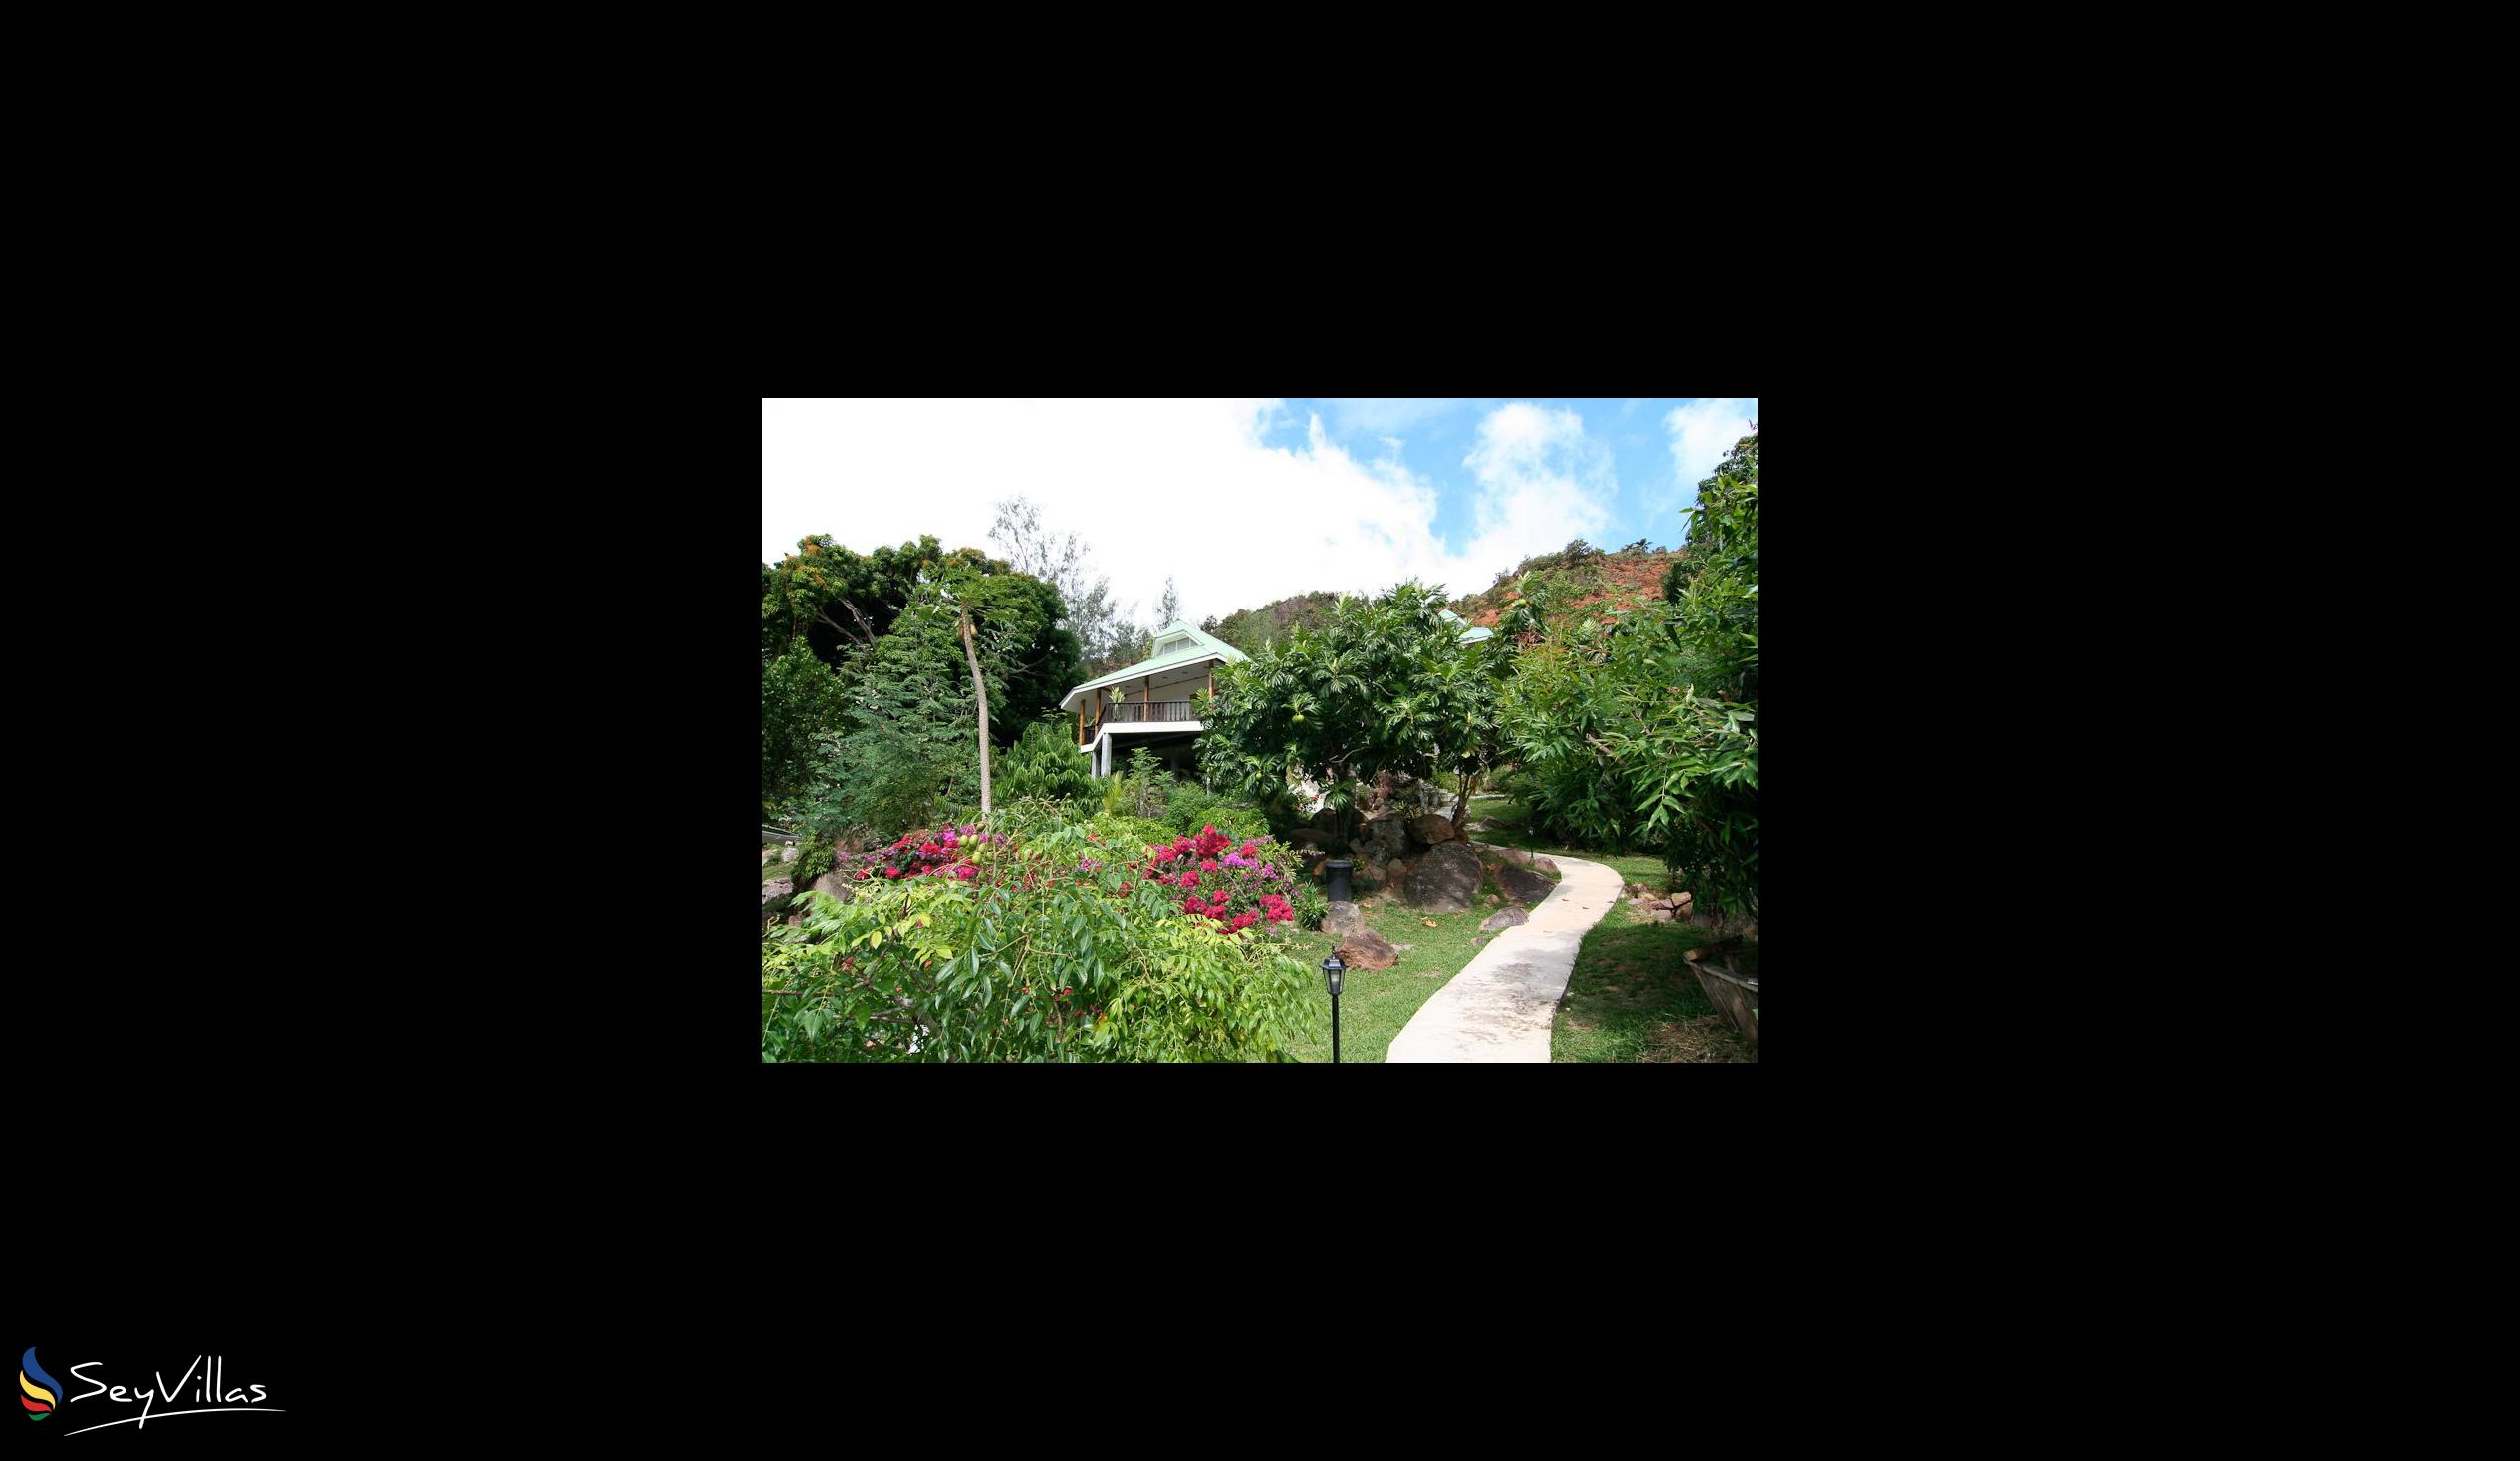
41	1389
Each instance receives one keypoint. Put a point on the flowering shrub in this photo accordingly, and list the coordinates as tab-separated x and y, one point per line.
1045	943
1234	886
946	852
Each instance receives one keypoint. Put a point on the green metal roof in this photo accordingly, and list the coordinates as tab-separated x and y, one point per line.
1201	646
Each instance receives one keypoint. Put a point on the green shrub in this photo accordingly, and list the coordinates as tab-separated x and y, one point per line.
1044	762
812	858
1237	819
893	773
1144	790
1311	905
1188	805
1135	833
1193	807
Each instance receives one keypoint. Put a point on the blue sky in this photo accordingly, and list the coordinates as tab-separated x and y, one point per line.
1244	502
1435	439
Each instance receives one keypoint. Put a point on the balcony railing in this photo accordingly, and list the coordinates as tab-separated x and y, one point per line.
1160	710
1137	714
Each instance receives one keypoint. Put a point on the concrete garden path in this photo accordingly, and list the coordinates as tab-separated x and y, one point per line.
1499	1008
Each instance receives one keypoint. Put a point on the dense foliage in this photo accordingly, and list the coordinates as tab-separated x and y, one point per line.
887	737
1716	583
1034	946
802	701
1640	729
813	857
1385	685
1146	793
828	599
910	754
1045	763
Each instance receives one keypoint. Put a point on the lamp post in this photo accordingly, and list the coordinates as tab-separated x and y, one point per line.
1334	973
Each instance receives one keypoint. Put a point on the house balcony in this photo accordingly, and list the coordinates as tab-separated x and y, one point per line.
1160	710
1166	726
1139	716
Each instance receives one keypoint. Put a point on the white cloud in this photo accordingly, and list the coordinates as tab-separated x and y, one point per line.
1702	432
1542	482
1190	489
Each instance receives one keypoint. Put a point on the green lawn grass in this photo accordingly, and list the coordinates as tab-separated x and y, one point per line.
1375	1003
1632	997
1505	827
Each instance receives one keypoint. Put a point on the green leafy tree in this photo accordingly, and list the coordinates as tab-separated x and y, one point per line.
1045	763
1385	685
1716	578
1643	731
842	606
802	701
834	602
909	753
1622	750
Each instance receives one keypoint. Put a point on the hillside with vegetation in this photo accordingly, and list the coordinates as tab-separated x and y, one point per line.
1578	579
1576	582
1254	630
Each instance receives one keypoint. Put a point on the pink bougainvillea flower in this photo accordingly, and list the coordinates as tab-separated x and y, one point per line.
965	872
893	873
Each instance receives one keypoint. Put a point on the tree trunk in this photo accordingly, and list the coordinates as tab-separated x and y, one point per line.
982	692
1462	804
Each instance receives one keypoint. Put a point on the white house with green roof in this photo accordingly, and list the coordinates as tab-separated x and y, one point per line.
1150	702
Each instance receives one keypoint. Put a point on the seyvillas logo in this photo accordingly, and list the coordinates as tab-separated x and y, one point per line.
41	1388
214	1395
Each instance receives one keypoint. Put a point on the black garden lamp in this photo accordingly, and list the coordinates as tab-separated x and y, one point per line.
1335	974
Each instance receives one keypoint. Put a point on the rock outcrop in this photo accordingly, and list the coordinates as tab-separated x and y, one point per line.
1367	949
1504	919
1445	879
1523	885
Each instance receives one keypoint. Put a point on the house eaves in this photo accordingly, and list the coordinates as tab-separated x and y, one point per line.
1202	646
